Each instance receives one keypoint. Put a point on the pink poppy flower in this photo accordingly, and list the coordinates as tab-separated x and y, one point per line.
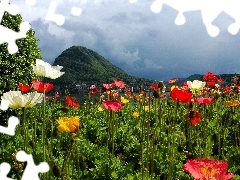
42	86
93	87
119	83
108	86
185	87
112	105
172	81
202	100
207	169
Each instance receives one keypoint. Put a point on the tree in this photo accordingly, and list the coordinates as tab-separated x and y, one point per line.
16	68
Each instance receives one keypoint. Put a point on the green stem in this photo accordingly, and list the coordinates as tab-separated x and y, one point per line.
142	147
25	125
43	132
112	131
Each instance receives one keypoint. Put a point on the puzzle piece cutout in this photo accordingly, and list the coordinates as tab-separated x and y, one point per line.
209	11
12	121
4	170
59	19
10	8
7	35
4	105
133	1
30	2
31	171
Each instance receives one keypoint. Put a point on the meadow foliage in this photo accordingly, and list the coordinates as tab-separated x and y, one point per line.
192	132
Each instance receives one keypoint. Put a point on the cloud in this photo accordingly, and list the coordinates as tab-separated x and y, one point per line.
134	38
149	64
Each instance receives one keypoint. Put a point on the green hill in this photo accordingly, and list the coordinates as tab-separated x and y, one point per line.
84	65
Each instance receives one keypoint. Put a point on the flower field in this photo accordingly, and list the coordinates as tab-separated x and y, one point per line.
192	133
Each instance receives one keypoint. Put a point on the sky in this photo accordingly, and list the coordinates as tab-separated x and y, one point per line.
135	38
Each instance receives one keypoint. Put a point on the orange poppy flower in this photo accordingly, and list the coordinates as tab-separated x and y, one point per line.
69	101
232	103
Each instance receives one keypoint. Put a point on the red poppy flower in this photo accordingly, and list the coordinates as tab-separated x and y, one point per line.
172	81
206	169
220	80
180	95
154	86
112	105
202	100
211	83
69	101
42	86
119	83
128	89
226	89
24	87
194	117
210	77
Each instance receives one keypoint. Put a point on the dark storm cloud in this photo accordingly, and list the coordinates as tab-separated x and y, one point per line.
139	41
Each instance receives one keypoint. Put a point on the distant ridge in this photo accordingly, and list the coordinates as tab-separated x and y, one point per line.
228	78
87	66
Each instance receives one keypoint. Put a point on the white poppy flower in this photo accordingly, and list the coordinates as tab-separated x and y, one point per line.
196	85
16	99
44	69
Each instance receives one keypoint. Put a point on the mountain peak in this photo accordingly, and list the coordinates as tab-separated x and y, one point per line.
85	65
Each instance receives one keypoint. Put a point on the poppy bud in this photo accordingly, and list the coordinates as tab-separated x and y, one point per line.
160	85
56	170
32	144
191	114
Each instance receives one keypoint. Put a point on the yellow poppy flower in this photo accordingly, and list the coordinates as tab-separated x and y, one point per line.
124	101
147	108
68	124
136	114
100	108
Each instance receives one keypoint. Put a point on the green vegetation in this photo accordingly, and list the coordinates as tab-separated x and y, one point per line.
84	65
16	68
146	138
